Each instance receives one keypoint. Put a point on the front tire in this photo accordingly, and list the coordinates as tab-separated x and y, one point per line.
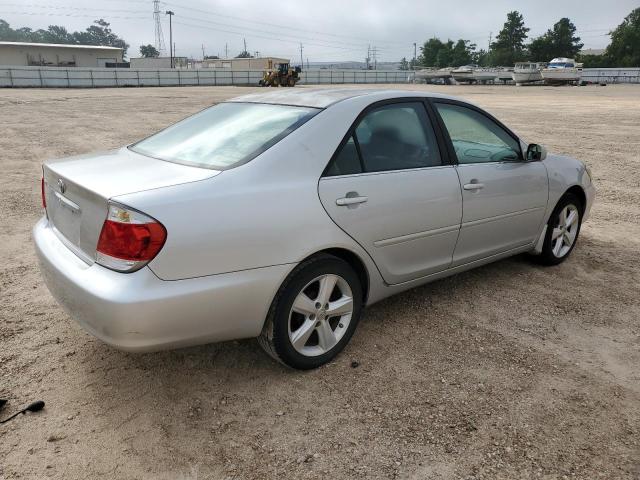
562	230
314	313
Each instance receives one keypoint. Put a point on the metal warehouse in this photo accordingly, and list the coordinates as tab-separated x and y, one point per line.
58	55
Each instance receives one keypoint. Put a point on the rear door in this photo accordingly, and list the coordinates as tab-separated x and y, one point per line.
504	197
390	188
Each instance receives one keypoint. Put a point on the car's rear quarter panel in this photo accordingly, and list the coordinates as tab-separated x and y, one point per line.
266	212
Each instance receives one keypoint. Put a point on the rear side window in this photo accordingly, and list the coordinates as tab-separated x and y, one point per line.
475	137
346	161
397	136
225	135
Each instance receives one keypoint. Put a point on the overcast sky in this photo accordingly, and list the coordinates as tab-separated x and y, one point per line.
329	30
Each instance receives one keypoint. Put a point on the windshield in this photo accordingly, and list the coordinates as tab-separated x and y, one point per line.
225	135
561	65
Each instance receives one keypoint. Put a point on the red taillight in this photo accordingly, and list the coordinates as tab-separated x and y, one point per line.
44	198
129	239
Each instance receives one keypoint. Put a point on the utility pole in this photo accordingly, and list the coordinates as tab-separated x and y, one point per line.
203	51
245	45
301	61
226	50
171	47
490	38
415	55
374	54
368	56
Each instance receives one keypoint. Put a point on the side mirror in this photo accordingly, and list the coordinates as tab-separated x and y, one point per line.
536	152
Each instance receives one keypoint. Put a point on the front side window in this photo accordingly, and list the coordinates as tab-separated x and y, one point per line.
225	135
475	137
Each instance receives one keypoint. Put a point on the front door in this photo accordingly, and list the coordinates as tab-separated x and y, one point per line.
389	189
504	197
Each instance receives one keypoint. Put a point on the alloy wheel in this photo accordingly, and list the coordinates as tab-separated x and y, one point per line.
565	232
320	315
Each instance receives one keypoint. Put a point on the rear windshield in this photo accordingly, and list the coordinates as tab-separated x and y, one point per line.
225	135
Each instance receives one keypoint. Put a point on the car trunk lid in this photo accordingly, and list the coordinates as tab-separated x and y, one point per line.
77	190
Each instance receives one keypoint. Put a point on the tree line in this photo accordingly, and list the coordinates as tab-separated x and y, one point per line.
510	46
98	33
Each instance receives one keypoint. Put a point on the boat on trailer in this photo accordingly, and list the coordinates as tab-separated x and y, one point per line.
432	75
562	71
528	72
463	74
504	74
485	75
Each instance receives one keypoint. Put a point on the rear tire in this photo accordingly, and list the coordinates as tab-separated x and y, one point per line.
300	330
563	229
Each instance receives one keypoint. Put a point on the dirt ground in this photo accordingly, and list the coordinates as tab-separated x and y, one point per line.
509	371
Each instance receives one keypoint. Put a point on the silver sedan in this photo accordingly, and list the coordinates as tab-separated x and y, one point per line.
281	215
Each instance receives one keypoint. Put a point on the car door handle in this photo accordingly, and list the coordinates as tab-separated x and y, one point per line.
473	186
346	201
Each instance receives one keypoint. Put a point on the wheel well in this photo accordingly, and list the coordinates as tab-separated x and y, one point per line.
578	192
356	263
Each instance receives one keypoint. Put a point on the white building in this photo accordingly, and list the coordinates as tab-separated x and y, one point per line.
260	63
593	51
157	62
58	55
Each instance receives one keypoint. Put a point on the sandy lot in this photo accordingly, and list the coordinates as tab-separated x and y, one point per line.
509	371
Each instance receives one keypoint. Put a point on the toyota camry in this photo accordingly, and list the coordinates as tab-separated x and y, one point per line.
282	215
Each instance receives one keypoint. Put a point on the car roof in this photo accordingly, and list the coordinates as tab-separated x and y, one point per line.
325	97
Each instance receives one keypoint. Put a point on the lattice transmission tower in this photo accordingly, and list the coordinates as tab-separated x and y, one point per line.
159	43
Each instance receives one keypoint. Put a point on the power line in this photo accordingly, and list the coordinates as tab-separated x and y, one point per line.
54	7
260	36
277	35
276	25
78	15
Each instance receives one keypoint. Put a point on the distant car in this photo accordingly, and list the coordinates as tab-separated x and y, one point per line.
281	215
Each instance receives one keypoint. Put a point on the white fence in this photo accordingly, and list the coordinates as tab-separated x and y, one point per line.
166	77
126	77
611	75
355	76
121	77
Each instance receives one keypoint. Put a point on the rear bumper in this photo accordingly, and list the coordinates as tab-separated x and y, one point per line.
139	312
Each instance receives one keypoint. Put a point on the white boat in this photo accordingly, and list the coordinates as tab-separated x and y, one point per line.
463	74
484	75
562	71
430	75
528	72
504	74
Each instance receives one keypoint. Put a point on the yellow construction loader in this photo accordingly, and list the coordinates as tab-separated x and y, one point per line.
283	75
